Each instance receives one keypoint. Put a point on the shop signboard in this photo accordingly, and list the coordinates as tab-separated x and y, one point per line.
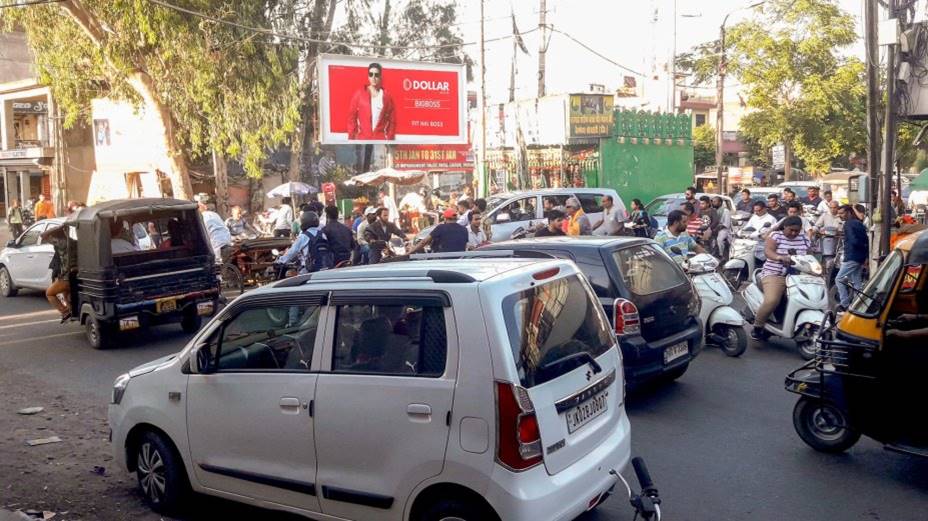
779	156
433	157
30	107
374	100
591	115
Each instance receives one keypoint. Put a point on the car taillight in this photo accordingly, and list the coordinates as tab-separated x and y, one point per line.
625	317
518	437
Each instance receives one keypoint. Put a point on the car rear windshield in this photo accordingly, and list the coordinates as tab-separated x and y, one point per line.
646	269
663	206
554	328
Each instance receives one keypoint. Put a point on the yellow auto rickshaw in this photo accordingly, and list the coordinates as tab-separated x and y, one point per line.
869	374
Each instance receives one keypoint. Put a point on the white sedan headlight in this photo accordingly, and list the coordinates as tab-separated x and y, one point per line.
119	388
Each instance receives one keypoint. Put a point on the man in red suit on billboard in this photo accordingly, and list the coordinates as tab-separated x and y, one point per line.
371	113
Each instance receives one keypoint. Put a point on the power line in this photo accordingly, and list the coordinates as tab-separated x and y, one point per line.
32	2
286	36
594	51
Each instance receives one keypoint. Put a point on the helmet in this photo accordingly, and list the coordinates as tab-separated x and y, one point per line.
309	220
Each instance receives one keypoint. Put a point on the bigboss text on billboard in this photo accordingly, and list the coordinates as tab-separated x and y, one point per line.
391	102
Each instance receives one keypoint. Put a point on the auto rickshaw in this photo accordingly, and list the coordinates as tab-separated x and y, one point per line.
124	282
869	375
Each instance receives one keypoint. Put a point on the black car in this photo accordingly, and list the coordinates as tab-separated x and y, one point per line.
650	300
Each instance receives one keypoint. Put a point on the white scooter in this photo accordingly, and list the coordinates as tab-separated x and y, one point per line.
800	313
741	262
723	325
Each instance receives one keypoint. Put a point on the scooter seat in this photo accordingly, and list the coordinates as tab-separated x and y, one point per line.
757	279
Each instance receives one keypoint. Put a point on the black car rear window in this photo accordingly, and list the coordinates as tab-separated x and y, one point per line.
552	327
646	269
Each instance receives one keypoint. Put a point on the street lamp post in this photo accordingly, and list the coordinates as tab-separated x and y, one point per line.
720	96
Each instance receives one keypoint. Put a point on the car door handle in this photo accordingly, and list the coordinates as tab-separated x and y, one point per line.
419	412
290	405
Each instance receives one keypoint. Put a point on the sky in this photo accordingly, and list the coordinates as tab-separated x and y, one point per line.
626	31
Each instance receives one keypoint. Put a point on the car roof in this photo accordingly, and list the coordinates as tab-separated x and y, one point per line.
583	242
785	184
441	271
680	195
555	191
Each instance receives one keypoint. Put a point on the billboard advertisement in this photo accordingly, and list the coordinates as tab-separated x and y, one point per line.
372	100
433	157
591	115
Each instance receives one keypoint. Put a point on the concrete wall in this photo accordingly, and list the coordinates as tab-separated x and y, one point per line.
15	57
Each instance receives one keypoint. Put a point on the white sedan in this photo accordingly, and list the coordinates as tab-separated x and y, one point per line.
24	262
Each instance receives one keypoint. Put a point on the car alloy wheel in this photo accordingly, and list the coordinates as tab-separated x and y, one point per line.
151	471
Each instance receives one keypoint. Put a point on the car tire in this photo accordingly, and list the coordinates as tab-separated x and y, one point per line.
7	287
675	373
823	426
735	339
160	474
99	334
191	323
456	509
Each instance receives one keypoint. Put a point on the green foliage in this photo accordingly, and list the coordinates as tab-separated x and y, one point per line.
802	92
703	147
701	63
227	89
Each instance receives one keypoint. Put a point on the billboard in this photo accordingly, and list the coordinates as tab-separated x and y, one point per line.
433	157
591	115
397	102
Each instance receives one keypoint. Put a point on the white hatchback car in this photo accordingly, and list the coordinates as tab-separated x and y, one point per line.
440	389
25	259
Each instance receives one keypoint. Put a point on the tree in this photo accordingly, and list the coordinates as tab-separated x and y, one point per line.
211	87
703	147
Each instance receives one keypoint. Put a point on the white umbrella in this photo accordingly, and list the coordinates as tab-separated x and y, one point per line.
292	188
388	175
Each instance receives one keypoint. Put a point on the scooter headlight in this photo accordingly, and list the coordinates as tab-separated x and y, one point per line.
815	268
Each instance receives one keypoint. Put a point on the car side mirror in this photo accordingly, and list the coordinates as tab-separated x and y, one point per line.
676	250
503	218
11	243
204	360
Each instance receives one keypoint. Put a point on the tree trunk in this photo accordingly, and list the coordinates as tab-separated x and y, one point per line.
787	160
144	85
320	28
221	171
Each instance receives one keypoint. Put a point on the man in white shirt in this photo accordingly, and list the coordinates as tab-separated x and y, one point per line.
387	202
475	234
283	219
823	206
118	244
613	219
219	236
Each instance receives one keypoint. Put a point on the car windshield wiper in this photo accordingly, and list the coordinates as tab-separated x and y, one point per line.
584	355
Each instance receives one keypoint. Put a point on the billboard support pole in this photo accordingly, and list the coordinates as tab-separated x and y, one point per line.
483	188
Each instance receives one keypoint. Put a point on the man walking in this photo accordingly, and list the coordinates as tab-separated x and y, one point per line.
341	240
613	219
283	220
14	218
219	237
577	221
448	236
856	250
44	209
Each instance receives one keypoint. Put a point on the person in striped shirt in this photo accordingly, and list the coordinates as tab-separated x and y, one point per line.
773	276
674	236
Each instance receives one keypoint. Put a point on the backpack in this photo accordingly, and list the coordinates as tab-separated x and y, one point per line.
317	256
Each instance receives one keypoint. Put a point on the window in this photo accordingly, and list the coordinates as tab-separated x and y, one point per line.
663	206
700	120
550	324
278	338
591	203
558	201
31	237
646	270
405	340
869	301
518	210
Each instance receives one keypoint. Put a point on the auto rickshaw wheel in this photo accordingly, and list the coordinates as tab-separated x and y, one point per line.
823	426
99	335
7	288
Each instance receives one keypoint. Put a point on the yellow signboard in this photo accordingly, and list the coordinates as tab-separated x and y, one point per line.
591	115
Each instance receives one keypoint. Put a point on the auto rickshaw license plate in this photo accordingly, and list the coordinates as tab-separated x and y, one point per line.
204	308
166	306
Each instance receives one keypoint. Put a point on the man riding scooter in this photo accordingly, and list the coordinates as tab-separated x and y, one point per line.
780	245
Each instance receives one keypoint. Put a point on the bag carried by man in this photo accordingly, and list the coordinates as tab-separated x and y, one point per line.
317	256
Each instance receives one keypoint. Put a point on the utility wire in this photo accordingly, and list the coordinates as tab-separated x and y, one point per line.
286	36
32	2
590	49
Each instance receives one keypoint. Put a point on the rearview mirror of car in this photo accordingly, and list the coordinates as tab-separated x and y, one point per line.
204	361
503	218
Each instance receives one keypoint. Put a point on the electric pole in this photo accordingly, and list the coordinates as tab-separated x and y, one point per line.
720	107
889	141
483	185
542	48
873	98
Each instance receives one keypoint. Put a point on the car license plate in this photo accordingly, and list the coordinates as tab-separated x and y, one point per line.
675	351
586	411
128	323
166	306
204	308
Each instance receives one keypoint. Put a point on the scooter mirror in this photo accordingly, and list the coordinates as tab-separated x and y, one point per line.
767	225
676	250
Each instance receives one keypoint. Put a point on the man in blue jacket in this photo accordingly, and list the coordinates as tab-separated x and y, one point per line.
856	250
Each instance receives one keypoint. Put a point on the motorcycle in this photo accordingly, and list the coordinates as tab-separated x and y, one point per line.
741	262
799	315
723	325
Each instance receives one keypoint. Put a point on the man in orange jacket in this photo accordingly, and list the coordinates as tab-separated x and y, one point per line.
44	209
